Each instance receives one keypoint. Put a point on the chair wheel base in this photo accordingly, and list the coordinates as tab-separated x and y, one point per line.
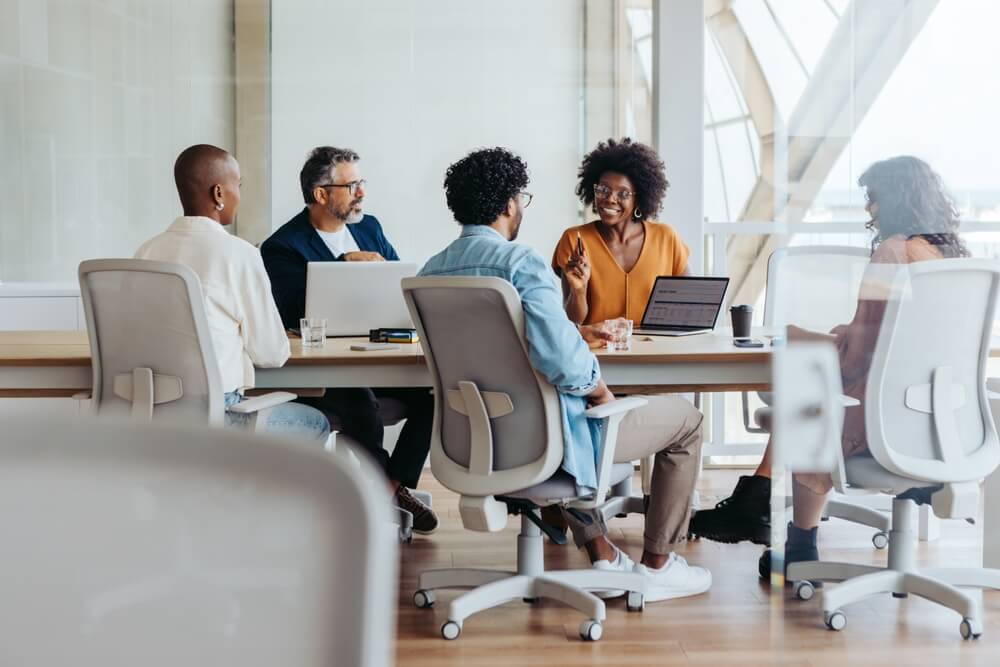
591	630
835	621
971	629
804	590
451	630
635	601
424	599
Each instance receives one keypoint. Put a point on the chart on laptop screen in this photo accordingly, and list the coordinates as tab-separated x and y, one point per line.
684	302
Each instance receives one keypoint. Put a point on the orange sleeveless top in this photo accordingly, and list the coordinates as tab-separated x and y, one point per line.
611	292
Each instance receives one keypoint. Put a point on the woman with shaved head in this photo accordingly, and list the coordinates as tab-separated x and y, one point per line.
246	329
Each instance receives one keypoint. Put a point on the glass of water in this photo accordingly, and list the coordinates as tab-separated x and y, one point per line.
621	329
313	331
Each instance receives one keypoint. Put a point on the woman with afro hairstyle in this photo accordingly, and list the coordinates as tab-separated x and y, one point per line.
912	219
608	266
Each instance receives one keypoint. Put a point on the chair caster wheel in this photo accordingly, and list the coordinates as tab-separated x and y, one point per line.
451	630
424	599
835	621
804	590
880	540
971	628
635	601
591	630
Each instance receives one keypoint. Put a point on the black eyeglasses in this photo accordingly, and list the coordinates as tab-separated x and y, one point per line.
526	198
352	187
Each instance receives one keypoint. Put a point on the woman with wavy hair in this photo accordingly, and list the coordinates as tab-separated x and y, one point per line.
608	266
912	219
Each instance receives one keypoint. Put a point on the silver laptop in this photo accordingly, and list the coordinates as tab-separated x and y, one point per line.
683	305
356	297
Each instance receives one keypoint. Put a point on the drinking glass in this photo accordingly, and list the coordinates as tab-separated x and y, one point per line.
313	331
622	331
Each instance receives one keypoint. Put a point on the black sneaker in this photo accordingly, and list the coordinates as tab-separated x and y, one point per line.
425	521
745	515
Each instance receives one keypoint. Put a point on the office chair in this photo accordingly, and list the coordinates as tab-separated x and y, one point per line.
161	545
151	348
930	433
498	442
816	288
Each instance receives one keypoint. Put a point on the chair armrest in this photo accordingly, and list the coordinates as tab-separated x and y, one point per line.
612	414
258	403
618	406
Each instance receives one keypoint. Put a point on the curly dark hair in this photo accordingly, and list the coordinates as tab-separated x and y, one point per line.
912	201
318	166
479	185
637	161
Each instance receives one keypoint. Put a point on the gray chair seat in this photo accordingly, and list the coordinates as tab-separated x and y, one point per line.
866	473
561	486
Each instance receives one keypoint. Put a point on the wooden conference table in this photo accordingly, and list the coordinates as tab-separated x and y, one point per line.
57	363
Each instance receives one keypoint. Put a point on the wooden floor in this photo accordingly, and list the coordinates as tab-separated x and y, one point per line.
737	623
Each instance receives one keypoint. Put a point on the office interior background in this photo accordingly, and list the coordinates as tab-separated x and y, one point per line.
764	111
794	99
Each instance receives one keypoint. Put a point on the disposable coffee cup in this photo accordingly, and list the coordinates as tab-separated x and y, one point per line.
742	316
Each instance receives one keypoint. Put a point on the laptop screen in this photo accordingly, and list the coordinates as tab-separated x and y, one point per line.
684	302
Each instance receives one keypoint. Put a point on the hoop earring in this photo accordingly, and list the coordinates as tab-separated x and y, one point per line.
220	206
637	215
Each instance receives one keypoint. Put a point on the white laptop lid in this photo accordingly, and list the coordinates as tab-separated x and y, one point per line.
356	297
684	303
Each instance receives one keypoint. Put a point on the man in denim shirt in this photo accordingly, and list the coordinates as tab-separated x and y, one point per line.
485	192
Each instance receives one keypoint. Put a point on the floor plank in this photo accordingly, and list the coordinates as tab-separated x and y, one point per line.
739	622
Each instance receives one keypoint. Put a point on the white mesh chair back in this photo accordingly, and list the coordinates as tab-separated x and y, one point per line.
927	409
143	314
150	544
814	287
472	330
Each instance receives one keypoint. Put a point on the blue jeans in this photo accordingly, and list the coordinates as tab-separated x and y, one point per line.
288	419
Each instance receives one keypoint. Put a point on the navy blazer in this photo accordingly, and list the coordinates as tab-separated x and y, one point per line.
287	251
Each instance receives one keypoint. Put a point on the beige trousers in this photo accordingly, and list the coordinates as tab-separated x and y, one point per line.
669	427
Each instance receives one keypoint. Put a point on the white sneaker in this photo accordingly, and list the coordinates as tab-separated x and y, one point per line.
676	579
621	563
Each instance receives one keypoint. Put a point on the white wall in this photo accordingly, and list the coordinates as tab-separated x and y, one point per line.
96	100
413	86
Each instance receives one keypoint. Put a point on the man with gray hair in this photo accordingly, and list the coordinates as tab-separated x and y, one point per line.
333	227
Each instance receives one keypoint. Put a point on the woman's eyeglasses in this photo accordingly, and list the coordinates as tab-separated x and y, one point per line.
604	192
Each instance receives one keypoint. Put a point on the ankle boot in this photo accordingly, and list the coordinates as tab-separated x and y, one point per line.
745	515
800	546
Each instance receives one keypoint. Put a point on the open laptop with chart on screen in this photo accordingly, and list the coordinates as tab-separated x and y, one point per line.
683	305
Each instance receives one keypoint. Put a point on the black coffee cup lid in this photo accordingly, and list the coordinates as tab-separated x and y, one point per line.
742	307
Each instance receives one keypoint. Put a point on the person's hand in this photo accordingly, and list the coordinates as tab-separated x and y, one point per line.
363	256
577	271
600	395
596	335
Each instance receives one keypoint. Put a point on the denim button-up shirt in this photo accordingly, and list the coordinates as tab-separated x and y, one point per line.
555	347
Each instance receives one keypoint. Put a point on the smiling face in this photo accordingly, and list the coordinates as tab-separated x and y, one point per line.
614	198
